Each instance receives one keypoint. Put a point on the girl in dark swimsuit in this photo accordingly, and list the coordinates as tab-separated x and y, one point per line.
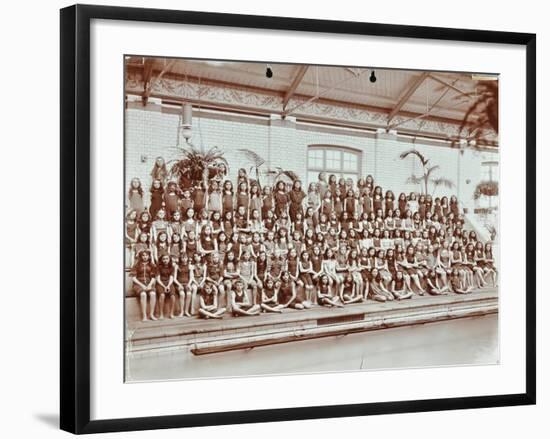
270	301
325	297
399	286
240	303
208	303
182	281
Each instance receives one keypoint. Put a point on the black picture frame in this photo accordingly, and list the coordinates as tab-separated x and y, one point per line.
75	217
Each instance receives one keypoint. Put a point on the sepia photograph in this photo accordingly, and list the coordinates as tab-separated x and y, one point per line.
297	219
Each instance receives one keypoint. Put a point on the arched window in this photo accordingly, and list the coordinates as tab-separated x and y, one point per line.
339	160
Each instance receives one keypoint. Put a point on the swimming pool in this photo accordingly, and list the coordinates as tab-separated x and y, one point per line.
466	341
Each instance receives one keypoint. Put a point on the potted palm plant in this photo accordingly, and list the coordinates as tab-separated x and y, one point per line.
257	163
427	176
197	166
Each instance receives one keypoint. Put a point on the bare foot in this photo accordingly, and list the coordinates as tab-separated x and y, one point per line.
152	317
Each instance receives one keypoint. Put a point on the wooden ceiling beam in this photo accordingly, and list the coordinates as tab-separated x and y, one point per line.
407	95
302	70
451	86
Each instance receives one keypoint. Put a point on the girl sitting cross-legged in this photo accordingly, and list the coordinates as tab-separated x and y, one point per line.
325	296
269	293
240	303
208	303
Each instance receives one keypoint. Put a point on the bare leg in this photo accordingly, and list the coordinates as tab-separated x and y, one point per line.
379	298
416	281
335	302
143	305
208	314
276	308
181	293
172	305
220	312
188	300
152	303
161	306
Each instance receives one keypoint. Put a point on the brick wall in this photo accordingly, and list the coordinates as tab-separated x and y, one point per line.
152	132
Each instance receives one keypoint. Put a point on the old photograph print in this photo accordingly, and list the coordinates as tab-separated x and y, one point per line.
295	219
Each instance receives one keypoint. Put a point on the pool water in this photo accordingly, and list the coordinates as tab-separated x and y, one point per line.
467	341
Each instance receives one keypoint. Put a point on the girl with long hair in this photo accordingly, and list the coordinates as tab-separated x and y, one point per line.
228	198
165	284
143	284
157	197
183	282
296	198
159	171
135	196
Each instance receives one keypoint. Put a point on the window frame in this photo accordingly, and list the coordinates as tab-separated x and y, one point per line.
342	172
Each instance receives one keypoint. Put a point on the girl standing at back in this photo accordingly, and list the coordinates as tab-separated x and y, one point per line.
256	202
135	196
280	198
389	201
242	200
157	197
453	206
377	200
267	201
313	196
296	198
412	205
215	198
171	199
200	197
326	204
228	198
159	171
402	204
351	204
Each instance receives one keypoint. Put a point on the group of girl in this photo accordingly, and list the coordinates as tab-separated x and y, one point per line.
206	250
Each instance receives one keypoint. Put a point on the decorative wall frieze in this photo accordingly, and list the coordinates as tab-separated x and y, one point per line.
227	95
